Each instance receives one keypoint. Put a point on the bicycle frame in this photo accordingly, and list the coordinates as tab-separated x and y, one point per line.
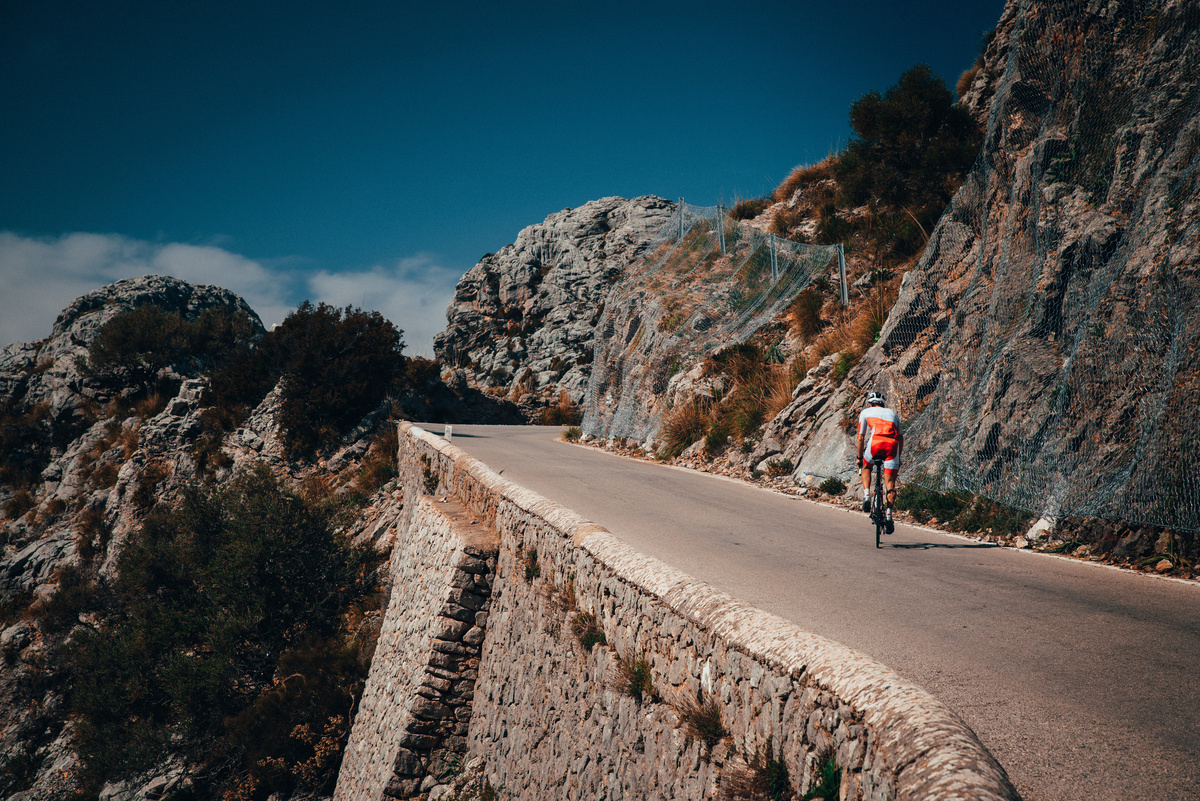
878	503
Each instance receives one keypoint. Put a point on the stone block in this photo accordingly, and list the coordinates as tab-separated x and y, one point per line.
402	788
450	629
419	740
407	764
445	647
473	565
428	708
459	612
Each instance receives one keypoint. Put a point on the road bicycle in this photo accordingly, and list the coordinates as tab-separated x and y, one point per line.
878	503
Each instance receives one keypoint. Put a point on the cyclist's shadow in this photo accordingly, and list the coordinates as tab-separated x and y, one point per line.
925	546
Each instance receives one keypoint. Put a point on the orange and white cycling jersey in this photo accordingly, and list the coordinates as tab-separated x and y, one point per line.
880	429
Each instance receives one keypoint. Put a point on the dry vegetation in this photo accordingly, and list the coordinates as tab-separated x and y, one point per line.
879	198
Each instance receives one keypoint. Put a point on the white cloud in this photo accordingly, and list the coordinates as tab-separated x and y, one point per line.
39	277
413	293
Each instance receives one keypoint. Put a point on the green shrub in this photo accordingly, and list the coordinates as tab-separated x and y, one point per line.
635	679
339	364
529	559
587	630
832	486
292	734
716	439
986	514
846	361
209	596
779	467
20	769
961	511
74	594
572	434
133	346
925	504
907	143
829	783
378	466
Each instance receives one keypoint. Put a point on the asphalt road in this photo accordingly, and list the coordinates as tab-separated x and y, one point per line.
1084	681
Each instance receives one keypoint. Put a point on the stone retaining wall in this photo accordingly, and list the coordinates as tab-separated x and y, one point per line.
411	725
553	719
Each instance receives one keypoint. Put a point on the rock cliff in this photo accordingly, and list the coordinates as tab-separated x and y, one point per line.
1040	345
522	322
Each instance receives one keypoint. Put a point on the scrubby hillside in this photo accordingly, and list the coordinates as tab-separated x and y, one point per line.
1038	344
187	519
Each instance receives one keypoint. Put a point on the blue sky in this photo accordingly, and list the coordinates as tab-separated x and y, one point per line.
370	153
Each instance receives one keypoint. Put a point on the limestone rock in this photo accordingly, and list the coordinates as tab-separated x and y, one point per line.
1074	232
49	371
523	319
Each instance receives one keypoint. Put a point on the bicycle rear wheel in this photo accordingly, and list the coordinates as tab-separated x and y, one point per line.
877	513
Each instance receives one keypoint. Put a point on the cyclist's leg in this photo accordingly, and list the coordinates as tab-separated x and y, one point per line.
866	482
891	468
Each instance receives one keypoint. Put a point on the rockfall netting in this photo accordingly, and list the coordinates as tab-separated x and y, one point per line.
1052	360
708	281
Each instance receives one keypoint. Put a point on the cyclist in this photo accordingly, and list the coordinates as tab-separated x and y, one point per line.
879	441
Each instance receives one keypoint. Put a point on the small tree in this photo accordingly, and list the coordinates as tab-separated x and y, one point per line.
339	364
912	145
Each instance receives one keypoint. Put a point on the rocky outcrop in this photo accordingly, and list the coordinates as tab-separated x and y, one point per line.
1039	346
523	319
96	471
51	370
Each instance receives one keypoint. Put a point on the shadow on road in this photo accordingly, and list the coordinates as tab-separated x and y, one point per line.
925	546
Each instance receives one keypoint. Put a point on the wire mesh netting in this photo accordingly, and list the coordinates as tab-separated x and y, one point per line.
708	281
1049	362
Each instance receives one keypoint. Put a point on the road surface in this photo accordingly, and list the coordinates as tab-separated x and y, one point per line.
1083	680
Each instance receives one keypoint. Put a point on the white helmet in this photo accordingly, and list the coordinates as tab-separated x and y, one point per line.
874	399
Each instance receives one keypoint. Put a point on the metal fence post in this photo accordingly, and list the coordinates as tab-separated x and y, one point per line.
842	272
774	261
721	227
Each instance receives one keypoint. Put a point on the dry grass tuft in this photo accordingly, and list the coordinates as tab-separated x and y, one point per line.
153	475
965	80
564	413
150	405
805	175
855	331
702	721
804	314
525	384
20	503
686	424
128	440
317	488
